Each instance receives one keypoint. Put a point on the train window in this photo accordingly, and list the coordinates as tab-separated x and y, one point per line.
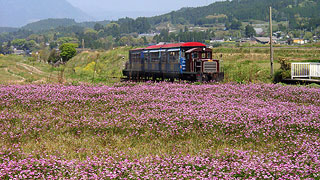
163	56
209	55
146	57
155	56
137	57
134	58
195	55
203	55
173	56
187	56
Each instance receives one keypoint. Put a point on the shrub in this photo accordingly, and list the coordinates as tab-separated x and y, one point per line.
280	75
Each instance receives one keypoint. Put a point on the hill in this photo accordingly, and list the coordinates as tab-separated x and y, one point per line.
8	29
51	23
16	13
243	10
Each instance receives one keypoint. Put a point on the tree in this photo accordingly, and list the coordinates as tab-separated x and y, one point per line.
30	45
98	27
68	51
1	48
250	32
141	25
53	57
63	40
19	43
113	29
53	44
308	36
7	48
235	25
90	36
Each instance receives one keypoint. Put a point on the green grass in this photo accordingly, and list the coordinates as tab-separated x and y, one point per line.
241	64
19	69
97	66
245	64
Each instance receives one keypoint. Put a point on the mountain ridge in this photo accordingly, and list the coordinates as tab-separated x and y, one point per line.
22	12
52	23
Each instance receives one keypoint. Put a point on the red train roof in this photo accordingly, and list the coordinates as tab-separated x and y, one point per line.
187	44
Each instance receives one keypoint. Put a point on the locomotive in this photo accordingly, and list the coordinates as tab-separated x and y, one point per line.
190	61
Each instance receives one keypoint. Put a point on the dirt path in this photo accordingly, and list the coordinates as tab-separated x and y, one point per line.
40	75
12	74
31	68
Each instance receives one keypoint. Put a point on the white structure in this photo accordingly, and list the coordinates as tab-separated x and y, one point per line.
259	31
305	70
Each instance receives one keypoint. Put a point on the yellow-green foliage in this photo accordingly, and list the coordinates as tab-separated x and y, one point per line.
98	66
88	70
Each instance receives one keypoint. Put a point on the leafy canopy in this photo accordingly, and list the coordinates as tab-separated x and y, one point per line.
68	51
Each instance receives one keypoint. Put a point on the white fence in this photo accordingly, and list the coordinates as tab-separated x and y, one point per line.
305	70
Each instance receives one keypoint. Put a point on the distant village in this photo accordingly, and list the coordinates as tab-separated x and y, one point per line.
259	38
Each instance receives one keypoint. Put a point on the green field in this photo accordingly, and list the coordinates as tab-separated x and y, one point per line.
252	64
241	64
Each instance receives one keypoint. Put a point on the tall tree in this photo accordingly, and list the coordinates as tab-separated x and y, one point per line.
53	57
250	32
68	51
98	27
235	25
1	48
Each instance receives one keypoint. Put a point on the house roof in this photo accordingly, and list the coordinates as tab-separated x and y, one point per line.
259	30
264	39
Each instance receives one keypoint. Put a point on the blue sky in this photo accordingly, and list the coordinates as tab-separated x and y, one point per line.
114	9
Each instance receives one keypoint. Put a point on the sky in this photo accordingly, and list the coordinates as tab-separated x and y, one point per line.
113	9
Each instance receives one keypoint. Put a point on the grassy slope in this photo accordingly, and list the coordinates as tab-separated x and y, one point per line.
108	65
18	69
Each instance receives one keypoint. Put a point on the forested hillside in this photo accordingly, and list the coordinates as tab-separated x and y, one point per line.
48	24
7	29
299	12
228	20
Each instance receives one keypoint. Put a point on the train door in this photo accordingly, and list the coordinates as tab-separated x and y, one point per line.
188	62
142	59
197	64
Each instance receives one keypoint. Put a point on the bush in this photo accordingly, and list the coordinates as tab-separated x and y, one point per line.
216	44
280	75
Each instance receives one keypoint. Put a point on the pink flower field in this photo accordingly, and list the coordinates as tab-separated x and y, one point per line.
159	131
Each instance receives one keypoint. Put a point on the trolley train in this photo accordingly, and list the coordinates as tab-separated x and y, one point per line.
186	61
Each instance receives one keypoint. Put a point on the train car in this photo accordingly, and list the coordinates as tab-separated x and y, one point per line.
186	61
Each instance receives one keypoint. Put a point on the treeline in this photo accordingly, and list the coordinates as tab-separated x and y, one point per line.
101	36
48	24
185	36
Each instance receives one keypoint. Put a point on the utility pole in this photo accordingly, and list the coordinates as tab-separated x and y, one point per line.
271	47
82	44
95	67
